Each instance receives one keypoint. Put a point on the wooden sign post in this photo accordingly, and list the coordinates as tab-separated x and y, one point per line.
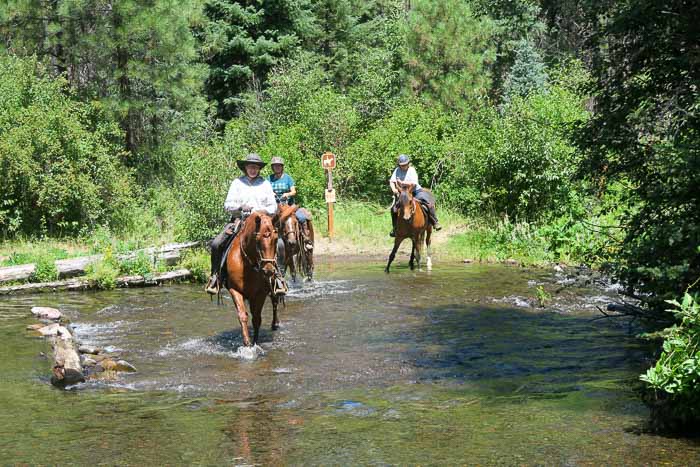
328	163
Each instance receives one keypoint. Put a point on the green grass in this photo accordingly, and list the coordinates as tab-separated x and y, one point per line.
496	242
367	224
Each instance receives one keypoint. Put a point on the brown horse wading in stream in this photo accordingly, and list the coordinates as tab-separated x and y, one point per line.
295	245
251	265
412	223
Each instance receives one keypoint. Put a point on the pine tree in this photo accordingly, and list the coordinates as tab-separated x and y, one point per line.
243	40
136	57
527	74
449	52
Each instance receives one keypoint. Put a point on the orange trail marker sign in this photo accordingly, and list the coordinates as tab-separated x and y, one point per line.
328	163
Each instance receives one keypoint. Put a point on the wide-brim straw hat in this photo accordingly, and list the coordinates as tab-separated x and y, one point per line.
277	160
251	158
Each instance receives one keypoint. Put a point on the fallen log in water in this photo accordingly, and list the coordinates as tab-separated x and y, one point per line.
77	266
67	369
84	284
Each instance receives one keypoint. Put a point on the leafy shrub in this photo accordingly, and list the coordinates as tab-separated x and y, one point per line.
518	163
412	129
104	273
203	175
138	265
45	269
60	169
198	262
674	380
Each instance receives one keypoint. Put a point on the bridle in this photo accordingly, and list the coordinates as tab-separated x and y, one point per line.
289	229
410	201
260	260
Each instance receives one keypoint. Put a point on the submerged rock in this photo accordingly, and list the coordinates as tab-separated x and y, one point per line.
35	327
123	365
46	312
87	361
88	350
50	330
118	366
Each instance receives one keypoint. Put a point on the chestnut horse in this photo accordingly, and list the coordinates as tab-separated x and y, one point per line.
251	264
296	245
290	236
411	223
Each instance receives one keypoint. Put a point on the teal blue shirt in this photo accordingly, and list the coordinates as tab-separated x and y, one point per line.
281	185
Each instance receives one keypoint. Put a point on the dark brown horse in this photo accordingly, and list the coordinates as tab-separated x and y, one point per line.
251	265
411	223
296	246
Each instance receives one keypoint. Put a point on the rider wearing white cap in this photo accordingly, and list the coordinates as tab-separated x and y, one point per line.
406	174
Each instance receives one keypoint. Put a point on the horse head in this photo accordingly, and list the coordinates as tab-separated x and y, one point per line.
259	242
287	222
406	205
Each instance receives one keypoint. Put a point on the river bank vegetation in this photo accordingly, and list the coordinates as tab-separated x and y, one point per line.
549	131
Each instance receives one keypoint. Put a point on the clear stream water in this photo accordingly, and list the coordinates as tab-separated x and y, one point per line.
446	367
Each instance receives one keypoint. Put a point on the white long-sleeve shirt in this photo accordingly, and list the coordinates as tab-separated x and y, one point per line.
257	194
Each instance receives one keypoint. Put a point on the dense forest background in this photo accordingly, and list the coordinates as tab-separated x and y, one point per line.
573	122
577	119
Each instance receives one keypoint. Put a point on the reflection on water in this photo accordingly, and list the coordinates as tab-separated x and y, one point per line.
452	366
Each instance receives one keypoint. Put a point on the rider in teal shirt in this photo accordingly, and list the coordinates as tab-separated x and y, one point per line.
282	183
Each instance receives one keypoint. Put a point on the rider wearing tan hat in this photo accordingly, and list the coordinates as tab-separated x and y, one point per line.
249	192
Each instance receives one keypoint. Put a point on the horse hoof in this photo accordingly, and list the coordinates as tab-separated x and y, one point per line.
386	270
275	327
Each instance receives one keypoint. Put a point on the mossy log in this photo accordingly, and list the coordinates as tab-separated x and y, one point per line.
77	266
84	284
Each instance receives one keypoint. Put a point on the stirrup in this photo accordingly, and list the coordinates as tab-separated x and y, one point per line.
279	286
437	226
392	233
212	287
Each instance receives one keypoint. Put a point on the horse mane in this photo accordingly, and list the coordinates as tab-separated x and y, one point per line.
252	224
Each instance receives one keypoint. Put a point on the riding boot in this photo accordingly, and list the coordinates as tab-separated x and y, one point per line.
433	218
306	235
394	216
212	287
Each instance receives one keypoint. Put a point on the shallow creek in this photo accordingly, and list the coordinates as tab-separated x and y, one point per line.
447	367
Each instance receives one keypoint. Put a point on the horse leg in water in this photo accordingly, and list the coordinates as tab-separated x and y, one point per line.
281	257
418	242
397	243
428	261
239	303
275	321
411	262
292	265
256	306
